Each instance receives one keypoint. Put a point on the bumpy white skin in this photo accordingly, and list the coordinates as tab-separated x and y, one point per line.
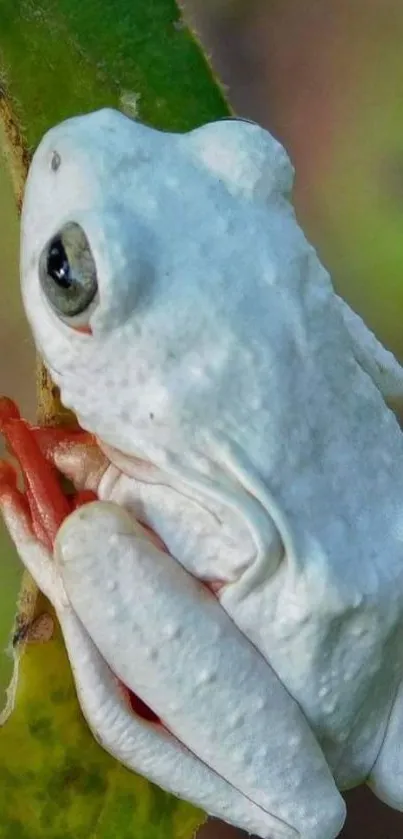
242	407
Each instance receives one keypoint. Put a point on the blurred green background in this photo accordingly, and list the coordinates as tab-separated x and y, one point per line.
326	77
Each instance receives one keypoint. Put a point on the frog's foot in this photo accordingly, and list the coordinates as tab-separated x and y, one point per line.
29	536
47	504
386	778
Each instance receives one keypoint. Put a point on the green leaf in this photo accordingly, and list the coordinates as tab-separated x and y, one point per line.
59	58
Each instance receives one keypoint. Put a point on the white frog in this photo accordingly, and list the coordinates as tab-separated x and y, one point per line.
241	410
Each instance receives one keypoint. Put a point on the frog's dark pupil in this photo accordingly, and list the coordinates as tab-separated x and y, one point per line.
58	266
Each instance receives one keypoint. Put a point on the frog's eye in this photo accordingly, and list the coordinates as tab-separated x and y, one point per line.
68	273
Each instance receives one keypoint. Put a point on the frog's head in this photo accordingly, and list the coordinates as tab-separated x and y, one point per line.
131	241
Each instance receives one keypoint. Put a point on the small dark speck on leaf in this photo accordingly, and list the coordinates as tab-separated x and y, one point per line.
74	775
41	729
62	695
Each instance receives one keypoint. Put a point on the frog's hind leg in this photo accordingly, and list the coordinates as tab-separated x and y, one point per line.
170	642
386	778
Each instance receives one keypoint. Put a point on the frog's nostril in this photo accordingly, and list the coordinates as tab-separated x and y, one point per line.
56	161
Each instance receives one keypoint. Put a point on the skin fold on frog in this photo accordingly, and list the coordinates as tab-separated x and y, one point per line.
241	570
